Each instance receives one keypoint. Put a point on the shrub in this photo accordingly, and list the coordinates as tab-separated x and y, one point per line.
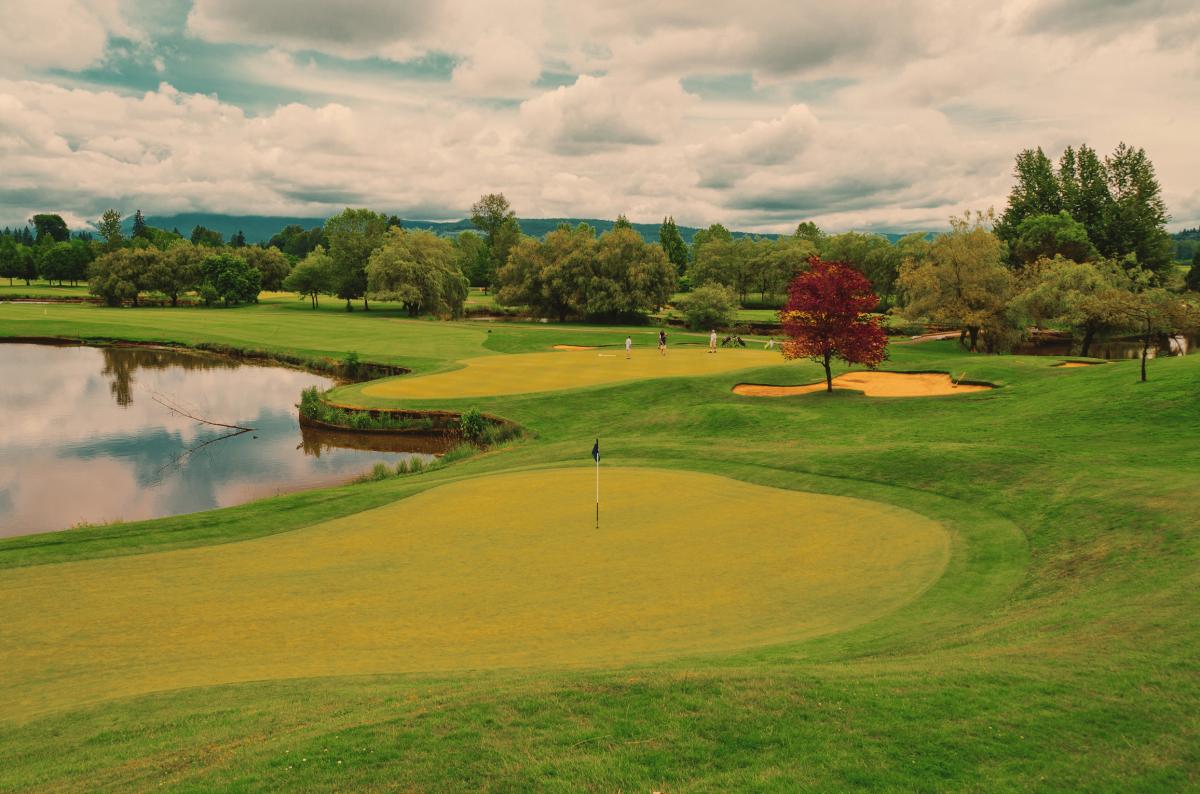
473	425
351	364
708	306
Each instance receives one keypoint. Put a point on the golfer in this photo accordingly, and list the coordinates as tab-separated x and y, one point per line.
662	342
712	341
628	346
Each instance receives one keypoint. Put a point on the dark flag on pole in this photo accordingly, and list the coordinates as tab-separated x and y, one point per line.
596	457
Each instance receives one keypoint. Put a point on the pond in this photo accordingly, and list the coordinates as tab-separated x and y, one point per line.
94	435
1112	349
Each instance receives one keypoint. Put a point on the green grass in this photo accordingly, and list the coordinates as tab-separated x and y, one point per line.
41	289
1056	652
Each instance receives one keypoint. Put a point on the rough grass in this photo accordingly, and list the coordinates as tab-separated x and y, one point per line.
1056	651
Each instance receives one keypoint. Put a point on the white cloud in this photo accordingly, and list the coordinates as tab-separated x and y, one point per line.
601	113
857	113
499	65
60	34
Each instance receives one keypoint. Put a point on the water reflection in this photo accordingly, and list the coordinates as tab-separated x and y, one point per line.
1112	349
86	440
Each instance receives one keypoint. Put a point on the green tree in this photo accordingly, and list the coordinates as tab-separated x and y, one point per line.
1083	182
312	276
1138	215
627	276
622	222
1048	236
546	275
673	245
963	282
727	262
1036	192
211	238
139	224
417	268
807	230
775	262
59	262
271	264
10	260
295	241
873	255
50	226
1082	296
493	216
176	271
120	275
26	264
230	279
714	232
1192	280
1156	312
238	240
471	254
708	306
353	236
109	228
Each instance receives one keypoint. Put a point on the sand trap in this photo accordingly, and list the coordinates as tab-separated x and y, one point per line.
491	572
1073	364
574	347
872	384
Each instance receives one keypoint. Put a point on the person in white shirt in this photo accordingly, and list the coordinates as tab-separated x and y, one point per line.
712	341
628	345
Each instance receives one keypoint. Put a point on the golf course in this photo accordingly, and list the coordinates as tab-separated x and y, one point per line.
979	576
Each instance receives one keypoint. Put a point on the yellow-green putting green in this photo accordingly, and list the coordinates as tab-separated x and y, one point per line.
520	373
498	571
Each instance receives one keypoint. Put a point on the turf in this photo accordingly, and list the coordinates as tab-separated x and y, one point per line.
683	563
539	372
1055	652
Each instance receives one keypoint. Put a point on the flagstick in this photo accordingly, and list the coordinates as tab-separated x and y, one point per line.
597	493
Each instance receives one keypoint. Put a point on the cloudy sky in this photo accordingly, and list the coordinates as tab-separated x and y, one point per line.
860	114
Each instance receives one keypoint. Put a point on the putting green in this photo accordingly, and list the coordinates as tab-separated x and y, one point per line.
500	571
534	372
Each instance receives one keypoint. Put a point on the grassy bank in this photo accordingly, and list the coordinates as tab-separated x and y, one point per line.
1055	651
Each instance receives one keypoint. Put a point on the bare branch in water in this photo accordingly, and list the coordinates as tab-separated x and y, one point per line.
170	406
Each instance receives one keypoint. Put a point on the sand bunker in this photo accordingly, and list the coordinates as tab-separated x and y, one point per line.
574	347
872	384
1073	364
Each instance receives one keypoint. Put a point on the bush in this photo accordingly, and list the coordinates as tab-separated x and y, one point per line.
708	306
351	364
473	425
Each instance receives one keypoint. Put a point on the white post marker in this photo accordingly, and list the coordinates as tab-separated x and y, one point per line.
596	455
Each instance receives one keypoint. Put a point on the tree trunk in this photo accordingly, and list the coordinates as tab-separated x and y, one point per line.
962	338
1088	333
828	375
974	332
349	308
174	300
366	308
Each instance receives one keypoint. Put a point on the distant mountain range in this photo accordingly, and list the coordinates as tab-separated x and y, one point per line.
261	228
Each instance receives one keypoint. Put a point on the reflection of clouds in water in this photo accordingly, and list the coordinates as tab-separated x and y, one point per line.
84	457
45	390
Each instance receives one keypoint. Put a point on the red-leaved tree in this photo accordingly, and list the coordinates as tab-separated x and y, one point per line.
828	316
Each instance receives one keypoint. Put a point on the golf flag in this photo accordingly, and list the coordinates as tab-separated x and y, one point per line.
596	451
596	457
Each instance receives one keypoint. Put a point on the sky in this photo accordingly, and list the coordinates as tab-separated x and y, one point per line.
862	114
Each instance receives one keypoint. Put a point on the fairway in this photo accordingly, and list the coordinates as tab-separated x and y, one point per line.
537	372
500	571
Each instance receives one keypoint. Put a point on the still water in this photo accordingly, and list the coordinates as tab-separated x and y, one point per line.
91	435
